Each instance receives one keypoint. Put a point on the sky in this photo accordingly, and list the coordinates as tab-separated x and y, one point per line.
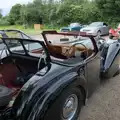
5	5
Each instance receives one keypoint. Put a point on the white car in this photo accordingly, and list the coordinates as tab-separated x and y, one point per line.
96	29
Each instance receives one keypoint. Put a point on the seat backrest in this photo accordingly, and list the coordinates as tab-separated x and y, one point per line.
9	74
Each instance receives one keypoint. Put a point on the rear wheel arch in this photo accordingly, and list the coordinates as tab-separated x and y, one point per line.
71	86
75	83
84	92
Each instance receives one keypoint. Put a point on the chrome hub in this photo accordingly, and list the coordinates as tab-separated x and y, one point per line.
70	107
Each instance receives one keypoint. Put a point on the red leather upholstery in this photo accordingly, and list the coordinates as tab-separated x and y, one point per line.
8	74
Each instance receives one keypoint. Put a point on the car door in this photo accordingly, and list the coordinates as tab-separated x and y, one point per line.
93	71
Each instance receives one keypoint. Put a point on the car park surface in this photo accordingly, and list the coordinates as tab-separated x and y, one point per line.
105	102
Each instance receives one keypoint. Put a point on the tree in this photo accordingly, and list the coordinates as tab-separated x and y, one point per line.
14	15
109	9
30	14
0	14
57	12
73	2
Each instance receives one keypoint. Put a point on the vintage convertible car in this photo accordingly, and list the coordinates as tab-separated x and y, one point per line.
50	81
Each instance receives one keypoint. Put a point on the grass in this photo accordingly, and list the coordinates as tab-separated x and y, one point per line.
30	30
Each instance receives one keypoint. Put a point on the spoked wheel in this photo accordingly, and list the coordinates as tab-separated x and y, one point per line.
67	106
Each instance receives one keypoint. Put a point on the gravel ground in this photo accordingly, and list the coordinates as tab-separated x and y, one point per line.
104	103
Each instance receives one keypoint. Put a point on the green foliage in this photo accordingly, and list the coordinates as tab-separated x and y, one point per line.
63	12
14	15
109	9
0	15
4	21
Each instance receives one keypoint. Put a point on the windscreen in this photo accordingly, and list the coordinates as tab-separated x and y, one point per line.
57	39
69	49
15	34
2	45
95	24
74	24
23	47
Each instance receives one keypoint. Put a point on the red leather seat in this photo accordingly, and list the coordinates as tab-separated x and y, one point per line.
8	74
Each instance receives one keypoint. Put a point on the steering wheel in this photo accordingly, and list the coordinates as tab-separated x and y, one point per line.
71	51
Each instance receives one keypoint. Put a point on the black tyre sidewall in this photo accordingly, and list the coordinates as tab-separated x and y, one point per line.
55	111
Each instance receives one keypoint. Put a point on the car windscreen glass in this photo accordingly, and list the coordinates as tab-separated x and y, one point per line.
15	34
74	24
33	48
69	40
1	39
24	46
72	48
15	46
2	45
95	24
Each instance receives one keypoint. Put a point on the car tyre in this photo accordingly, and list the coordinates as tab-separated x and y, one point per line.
70	99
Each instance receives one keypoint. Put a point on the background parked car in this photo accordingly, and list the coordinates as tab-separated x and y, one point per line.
72	27
96	29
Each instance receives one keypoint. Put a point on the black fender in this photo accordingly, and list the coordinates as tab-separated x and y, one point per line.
29	105
111	58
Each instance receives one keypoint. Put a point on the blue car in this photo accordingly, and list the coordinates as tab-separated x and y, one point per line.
72	27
